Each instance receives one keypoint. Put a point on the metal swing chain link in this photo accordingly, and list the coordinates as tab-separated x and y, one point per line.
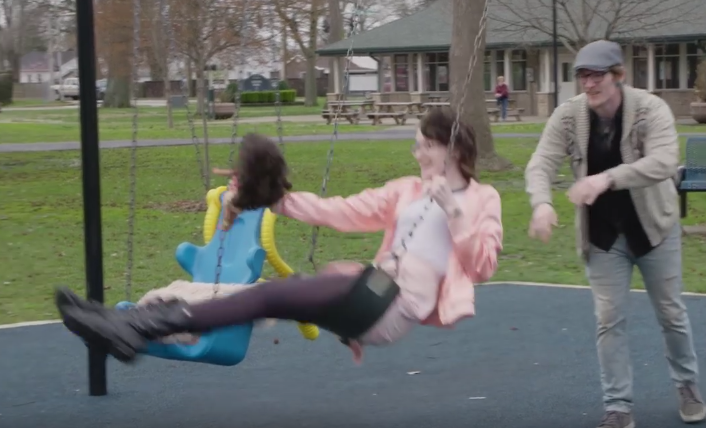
334	137
233	145
456	125
238	90
133	151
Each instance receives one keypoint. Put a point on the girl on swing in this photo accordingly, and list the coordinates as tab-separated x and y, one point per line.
425	277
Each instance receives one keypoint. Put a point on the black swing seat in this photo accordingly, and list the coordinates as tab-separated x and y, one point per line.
358	311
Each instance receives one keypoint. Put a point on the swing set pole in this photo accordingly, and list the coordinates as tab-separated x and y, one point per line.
90	165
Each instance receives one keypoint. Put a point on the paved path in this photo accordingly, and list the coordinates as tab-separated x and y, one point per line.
391	134
530	349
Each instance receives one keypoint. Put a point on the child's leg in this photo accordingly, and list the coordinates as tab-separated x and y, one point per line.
299	299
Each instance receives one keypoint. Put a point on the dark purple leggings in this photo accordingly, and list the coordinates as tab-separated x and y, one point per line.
297	299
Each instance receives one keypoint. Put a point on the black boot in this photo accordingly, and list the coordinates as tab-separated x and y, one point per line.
122	332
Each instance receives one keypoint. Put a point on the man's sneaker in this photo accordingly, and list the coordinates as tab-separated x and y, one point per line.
691	405
615	419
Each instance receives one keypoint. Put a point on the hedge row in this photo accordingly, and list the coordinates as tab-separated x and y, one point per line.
254	97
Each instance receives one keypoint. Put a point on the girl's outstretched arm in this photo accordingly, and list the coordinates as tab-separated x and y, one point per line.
367	211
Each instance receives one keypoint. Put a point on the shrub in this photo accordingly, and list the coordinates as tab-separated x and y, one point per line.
228	96
267	97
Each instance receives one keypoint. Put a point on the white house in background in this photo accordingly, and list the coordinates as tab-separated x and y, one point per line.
363	71
34	66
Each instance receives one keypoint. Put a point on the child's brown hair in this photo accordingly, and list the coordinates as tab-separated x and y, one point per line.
261	173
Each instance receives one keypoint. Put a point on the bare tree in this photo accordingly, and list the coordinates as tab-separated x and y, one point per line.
303	19
580	22
466	25
13	14
206	28
333	32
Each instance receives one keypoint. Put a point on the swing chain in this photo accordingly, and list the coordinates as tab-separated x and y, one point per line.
278	110
357	11
454	128
183	86
219	266
133	152
233	145
238	90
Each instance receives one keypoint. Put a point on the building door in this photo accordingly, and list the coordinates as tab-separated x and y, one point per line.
567	84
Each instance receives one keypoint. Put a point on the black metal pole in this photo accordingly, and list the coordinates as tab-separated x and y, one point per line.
555	47
90	163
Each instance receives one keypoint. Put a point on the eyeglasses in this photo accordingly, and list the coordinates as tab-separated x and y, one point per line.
594	76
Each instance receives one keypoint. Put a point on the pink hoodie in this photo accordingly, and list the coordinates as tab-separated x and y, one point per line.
477	235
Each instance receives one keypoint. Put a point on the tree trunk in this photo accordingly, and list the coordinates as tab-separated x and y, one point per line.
189	80
117	43
117	94
310	91
310	54
168	97
203	110
15	64
335	35
466	25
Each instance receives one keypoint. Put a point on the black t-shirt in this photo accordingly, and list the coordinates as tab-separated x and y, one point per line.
612	213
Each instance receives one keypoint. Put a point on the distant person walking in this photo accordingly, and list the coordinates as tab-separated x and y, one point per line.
502	95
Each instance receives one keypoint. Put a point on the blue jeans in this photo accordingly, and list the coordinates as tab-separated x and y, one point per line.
610	274
503	104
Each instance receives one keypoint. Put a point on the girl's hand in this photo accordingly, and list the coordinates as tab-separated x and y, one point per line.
439	190
233	182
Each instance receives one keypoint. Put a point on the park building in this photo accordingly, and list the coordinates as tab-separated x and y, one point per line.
412	54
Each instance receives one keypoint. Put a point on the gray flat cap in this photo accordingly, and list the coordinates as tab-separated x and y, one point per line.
600	55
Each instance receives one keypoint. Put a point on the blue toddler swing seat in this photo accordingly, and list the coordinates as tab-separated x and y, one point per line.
246	247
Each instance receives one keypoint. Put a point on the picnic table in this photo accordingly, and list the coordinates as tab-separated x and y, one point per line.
512	110
345	109
427	106
395	110
492	111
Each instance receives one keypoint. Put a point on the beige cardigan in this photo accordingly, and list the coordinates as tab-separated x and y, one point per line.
650	152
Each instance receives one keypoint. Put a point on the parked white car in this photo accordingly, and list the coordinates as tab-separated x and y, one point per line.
67	89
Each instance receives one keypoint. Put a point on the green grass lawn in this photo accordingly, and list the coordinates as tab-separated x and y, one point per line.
41	223
48	126
38	103
59	125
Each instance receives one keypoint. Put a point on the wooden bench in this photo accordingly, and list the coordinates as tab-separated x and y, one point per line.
351	116
691	177
516	112
399	116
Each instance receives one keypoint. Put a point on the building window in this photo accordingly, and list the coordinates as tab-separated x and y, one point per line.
639	67
401	67
518	64
436	72
667	66
695	53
